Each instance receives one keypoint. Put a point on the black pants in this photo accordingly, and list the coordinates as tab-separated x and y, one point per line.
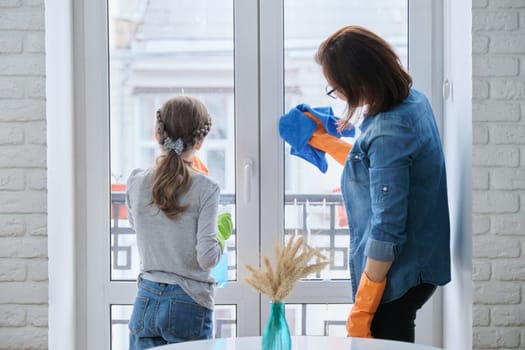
396	320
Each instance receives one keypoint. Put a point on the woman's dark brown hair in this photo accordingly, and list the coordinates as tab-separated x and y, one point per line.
364	68
185	118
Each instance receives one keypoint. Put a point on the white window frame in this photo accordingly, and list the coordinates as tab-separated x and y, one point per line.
425	30
84	170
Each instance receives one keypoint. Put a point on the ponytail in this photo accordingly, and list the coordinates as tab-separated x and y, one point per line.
170	178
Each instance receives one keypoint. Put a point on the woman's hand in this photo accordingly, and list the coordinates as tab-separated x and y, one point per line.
367	299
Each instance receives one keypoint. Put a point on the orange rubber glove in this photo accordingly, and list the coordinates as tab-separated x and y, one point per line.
366	302
200	166
330	144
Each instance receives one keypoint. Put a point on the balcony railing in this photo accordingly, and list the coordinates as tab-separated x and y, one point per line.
302	206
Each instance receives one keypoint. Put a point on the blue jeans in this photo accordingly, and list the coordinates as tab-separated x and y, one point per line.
164	314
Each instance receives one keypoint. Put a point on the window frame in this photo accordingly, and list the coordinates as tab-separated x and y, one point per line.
87	170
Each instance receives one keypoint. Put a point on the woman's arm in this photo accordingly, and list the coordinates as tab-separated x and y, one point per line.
376	269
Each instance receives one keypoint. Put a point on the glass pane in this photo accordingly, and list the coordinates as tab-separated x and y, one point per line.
225	324
317	319
120	315
158	49
313	204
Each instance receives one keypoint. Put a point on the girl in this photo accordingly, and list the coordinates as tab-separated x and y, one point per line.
173	209
393	185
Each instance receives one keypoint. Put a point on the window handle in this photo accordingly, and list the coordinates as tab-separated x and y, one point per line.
447	89
248	173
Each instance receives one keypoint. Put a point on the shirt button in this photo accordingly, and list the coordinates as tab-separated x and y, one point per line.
385	188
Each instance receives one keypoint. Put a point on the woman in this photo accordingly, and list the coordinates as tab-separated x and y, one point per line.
393	185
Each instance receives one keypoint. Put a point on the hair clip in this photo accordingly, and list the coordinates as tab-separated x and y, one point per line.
176	146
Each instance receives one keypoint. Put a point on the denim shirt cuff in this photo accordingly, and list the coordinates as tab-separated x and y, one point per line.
380	250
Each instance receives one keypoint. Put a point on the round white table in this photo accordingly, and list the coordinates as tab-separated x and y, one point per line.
298	343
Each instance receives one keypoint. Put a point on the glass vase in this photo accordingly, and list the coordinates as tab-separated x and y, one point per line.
276	335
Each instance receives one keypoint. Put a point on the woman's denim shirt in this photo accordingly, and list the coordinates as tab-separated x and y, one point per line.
395	194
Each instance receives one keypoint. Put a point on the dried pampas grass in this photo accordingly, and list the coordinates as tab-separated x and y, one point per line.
292	264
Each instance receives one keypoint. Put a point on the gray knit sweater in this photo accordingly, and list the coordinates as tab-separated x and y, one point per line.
182	250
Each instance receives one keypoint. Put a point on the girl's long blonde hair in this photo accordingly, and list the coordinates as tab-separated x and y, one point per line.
185	118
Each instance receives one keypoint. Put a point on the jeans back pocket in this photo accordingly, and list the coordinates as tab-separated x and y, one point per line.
186	320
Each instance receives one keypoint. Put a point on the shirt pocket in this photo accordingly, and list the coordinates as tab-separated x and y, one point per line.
357	167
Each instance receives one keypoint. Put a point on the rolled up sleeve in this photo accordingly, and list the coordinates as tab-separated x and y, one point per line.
380	250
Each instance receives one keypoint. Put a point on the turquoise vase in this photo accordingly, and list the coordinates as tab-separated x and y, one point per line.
276	335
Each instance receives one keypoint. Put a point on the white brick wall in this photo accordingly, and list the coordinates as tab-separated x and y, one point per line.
498	200
23	219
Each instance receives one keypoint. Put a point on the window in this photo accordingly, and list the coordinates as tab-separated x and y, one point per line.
249	61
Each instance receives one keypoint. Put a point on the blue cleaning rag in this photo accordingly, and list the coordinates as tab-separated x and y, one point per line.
296	128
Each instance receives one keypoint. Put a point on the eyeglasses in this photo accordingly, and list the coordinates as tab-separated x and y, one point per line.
330	91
